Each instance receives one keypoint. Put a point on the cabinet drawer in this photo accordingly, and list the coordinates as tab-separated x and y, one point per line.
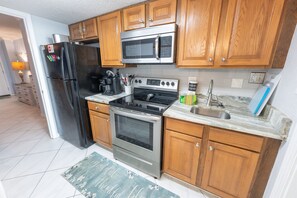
99	107
184	127
245	141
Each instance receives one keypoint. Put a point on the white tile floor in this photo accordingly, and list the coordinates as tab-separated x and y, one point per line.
31	162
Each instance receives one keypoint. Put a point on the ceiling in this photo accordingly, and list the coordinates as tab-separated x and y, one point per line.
67	11
9	28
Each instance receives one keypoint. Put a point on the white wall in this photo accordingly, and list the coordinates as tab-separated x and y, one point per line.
44	29
285	99
222	78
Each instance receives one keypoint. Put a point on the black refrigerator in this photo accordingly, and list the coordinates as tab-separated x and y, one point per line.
69	69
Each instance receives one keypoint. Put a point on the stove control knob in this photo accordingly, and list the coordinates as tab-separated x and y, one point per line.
136	81
140	81
172	84
163	83
167	83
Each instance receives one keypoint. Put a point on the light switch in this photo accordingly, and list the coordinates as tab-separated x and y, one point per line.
237	83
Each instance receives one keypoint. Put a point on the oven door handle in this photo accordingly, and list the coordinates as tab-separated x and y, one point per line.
135	115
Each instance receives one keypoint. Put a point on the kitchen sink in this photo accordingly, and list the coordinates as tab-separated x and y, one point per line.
211	113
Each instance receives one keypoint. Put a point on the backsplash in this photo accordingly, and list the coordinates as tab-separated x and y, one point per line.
222	78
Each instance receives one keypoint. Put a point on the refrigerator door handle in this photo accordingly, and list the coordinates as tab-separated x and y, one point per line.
64	80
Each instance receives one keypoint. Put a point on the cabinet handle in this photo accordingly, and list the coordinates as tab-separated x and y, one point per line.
210	60
107	120
151	20
224	59
97	108
197	145
210	148
141	21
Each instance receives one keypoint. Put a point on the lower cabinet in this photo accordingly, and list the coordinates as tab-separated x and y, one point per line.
181	155
100	124
228	171
223	162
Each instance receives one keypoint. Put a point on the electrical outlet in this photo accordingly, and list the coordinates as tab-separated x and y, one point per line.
237	83
257	77
192	79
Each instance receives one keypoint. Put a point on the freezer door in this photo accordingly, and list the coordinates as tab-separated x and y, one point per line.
57	61
66	111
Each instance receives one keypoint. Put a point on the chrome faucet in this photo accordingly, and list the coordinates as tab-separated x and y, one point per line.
209	92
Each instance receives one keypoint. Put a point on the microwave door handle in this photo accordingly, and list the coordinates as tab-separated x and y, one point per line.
157	47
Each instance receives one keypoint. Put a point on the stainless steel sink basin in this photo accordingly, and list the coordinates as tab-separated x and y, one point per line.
211	113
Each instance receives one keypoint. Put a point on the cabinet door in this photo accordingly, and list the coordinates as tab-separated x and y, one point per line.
90	28
76	31
181	156
249	32
198	31
134	17
228	171
101	128
109	29
162	12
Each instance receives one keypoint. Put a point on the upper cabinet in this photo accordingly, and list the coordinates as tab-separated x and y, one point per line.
249	32
161	12
198	30
153	13
109	29
84	30
134	17
234	33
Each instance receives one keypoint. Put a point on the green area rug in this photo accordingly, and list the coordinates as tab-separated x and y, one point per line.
97	176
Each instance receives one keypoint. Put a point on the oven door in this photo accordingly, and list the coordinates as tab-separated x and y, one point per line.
149	49
137	132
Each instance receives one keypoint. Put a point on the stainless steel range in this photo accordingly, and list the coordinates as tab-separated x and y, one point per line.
137	123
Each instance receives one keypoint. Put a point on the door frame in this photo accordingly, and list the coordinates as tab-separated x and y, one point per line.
38	66
5	77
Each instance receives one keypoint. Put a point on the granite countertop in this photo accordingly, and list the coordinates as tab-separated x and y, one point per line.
105	99
272	123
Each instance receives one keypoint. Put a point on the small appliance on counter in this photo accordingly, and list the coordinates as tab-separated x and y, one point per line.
137	123
110	84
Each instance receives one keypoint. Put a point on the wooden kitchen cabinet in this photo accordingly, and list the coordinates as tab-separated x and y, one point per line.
228	171
224	162
182	144
76	31
249	32
161	12
100	123
84	30
198	30
181	156
134	17
109	29
234	33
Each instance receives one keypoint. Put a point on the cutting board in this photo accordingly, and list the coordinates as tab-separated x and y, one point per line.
262	95
259	98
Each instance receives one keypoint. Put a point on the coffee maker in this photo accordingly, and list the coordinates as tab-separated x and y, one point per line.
110	84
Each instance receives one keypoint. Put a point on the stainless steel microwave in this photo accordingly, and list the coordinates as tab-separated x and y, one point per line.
149	45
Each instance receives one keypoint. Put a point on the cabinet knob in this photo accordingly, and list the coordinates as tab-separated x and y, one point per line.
97	108
210	60
224	59
141	21
151	20
197	145
210	148
107	120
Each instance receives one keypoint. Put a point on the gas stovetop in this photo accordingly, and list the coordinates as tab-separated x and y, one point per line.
151	95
